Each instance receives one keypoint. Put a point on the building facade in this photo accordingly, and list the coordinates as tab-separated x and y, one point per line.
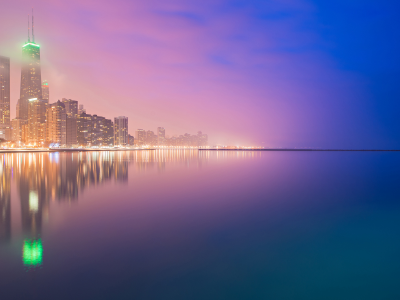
84	129
131	140
161	136
72	132
17	130
36	121
5	97
151	138
71	107
140	137
56	124
31	78
81	109
108	132
97	130
121	131
45	91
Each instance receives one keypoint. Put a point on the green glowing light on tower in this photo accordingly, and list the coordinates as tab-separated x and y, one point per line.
32	252
35	45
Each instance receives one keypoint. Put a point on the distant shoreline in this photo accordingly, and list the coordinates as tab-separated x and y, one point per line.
343	150
201	149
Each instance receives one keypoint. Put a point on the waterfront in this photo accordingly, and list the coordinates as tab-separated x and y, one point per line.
188	224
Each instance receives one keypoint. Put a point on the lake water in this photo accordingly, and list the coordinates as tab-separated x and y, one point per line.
200	225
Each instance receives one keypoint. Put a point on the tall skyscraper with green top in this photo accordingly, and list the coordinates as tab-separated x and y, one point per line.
31	76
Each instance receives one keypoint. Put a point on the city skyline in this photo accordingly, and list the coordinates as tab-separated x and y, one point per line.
35	91
40	123
254	73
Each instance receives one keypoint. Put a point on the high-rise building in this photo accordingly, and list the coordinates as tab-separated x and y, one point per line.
4	132
5	200
84	129
102	131
202	139
45	91
17	127
81	109
25	132
151	138
161	136
72	131
4	92
131	140
121	131
108	132
71	107
140	137
56	123
94	130
31	78
97	130
36	121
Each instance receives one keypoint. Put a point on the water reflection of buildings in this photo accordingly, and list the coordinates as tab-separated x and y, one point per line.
42	178
45	177
5	202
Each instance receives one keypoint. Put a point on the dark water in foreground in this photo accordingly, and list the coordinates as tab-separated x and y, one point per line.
200	225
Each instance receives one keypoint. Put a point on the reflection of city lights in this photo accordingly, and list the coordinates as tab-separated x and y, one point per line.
33	201
54	157
32	252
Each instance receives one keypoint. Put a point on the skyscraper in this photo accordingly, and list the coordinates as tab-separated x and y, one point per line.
45	91
84	129
161	136
140	137
202	139
108	132
56	127
17	126
31	78
71	107
131	140
72	131
4	91
151	138
97	130
121	131
81	109
36	121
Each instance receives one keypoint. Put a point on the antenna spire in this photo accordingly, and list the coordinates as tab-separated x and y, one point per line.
33	28
29	37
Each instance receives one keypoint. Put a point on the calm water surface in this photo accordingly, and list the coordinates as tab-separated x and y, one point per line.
200	225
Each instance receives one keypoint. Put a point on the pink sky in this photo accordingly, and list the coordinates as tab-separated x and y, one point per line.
186	66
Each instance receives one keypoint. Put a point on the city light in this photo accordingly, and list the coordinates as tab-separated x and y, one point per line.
35	45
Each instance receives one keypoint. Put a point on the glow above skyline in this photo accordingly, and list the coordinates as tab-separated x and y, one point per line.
32	44
271	73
